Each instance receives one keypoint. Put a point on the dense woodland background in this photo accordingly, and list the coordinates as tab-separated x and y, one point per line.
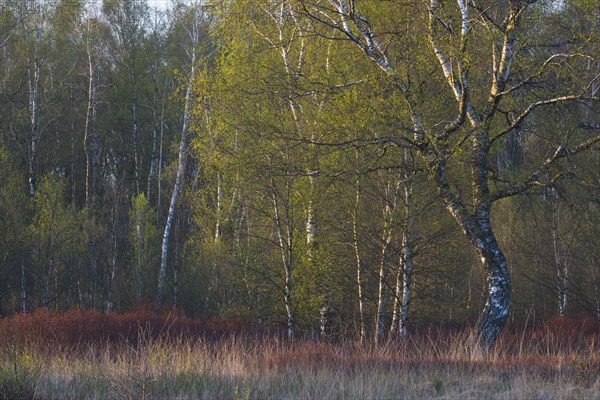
300	196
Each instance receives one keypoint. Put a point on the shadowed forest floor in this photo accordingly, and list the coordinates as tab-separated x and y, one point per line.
151	355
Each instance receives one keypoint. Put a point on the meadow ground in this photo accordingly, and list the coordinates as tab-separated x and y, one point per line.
149	355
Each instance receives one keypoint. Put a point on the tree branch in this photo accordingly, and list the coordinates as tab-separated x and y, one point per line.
562	151
537	104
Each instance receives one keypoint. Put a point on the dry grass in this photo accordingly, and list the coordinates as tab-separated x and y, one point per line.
560	360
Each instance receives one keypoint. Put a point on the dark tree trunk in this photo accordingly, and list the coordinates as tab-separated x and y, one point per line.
497	305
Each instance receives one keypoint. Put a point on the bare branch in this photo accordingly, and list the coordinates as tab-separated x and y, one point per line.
540	72
537	104
562	151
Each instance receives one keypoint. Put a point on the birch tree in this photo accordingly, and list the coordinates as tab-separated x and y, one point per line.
34	29
194	36
477	126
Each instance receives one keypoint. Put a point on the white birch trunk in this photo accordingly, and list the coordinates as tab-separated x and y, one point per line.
33	81
560	257
284	235
403	292
88	122
359	271
382	293
218	229
407	275
162	276
389	214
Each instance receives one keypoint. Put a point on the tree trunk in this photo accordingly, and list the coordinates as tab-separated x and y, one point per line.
311	220
560	257
219	211
140	249
383	289
136	156
23	289
177	187
180	168
154	137
497	306
284	235
403	293
359	270
89	129
160	161
389	219
113	262
407	275
34	80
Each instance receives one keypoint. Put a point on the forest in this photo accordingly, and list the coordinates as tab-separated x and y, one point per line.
349	169
400	197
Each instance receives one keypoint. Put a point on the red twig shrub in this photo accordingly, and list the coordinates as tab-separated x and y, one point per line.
81	327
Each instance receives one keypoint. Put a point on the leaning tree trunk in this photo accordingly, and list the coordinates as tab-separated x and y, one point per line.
178	183
180	169
497	305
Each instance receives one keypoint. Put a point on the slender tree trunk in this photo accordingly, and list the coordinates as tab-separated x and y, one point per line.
180	169
284	235
34	80
160	161
390	210
560	258
23	289
383	289
113	261
140	249
311	220
219	211
176	266
407	276
155	123
135	130
402	298
176	188
359	268
89	130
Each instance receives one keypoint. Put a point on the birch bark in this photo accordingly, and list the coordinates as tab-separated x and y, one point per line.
34	71
359	266
162	276
89	127
285	238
